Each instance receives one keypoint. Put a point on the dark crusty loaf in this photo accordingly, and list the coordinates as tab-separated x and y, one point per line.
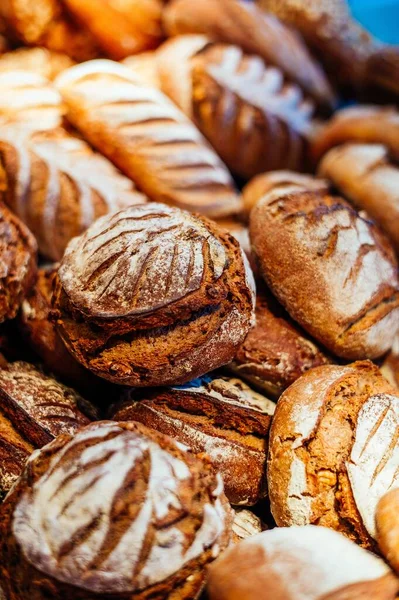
147	137
275	352
34	409
117	511
334	450
217	415
365	175
58	186
252	115
153	295
245	25
17	263
333	270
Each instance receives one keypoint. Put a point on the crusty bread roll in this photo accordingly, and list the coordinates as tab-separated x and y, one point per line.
300	563
387	524
333	270
245	524
120	27
264	183
145	67
364	124
367	177
38	60
254	118
334	450
243	24
58	186
147	137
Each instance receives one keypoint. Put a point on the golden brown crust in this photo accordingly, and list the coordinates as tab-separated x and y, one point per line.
148	138
333	450
275	352
253	117
42	61
387	523
390	366
365	175
333	271
153	295
244	25
120	27
144	66
18	263
58	186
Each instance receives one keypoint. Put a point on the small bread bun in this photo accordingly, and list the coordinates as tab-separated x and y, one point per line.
310	563
245	525
153	295
334	450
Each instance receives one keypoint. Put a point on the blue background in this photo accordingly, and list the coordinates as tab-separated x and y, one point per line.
381	17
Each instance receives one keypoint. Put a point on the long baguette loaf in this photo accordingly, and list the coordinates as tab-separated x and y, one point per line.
147	137
252	116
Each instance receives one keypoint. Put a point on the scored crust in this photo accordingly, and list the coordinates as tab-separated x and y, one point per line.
153	295
334	450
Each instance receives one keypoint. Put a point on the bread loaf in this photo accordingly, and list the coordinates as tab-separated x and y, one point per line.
387	524
382	69
245	525
144	66
390	366
244	25
275	352
254	118
333	270
367	177
220	416
38	60
147	137
120	27
153	295
116	510
17	263
58	186
334	450
306	563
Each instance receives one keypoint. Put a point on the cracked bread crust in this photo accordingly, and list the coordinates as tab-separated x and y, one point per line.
103	526
217	415
334	450
153	295
333	270
18	265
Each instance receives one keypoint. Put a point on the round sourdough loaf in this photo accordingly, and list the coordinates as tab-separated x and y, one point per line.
153	295
218	415
332	269
17	263
300	563
334	450
117	511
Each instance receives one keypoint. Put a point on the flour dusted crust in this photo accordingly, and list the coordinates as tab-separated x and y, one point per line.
153	295
41	61
334	450
365	174
147	137
310	563
332	269
244	24
17	263
252	115
58	186
176	511
217	415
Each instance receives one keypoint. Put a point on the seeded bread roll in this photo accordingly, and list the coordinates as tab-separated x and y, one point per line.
34	409
244	24
364	124
334	450
254	118
147	137
367	177
17	263
306	563
220	416
153	295
41	61
333	270
262	184
275	352
117	510
120	27
245	525
58	186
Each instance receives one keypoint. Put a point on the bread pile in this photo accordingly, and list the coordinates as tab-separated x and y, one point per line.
199	302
